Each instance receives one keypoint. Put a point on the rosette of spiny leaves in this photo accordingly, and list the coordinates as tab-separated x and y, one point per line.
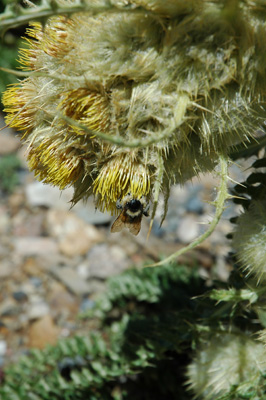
135	96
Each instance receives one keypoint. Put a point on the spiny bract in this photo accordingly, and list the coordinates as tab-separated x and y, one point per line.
249	240
226	361
140	95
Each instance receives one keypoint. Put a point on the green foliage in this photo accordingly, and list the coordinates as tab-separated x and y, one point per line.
8	54
142	346
9	166
6	61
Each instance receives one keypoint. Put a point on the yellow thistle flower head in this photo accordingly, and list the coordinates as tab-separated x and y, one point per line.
121	175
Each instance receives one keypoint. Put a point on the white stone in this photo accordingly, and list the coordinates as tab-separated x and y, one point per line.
107	261
38	310
71	280
29	246
39	194
188	229
3	348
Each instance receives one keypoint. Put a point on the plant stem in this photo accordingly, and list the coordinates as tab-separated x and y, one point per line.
219	203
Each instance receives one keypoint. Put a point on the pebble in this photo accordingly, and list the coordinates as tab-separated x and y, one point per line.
6	269
4	220
78	243
63	222
16	201
29	246
38	194
88	213
222	269
3	348
188	229
62	303
22	155
35	281
20	296
106	261
83	270
157	229
195	205
69	277
38	309
8	307
28	288
86	304
74	235
97	286
179	195
28	224
43	332
9	143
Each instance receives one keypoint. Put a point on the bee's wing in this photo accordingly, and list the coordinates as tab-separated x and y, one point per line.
118	224
134	226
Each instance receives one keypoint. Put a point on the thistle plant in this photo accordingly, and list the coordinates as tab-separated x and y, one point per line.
134	96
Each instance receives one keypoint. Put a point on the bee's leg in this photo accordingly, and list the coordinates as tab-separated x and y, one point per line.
146	210
118	204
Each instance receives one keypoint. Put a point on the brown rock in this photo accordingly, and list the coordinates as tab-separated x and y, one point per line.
78	244
74	235
8	143
43	332
16	201
31	266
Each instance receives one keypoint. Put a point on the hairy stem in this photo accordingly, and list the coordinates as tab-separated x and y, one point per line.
219	203
21	16
157	187
119	141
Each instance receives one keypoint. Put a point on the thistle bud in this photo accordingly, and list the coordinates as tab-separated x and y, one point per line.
227	361
249	240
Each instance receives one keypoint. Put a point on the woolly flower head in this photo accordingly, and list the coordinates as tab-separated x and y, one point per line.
227	361
138	96
249	239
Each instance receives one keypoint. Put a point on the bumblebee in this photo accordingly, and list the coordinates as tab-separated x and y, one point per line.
131	215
